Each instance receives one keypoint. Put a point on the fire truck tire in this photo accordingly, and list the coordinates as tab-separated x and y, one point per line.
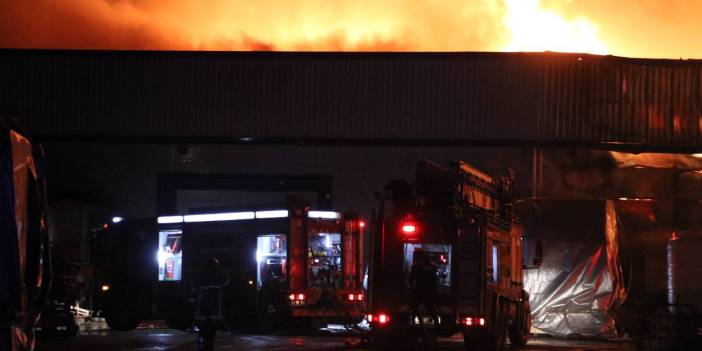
519	330
489	340
121	317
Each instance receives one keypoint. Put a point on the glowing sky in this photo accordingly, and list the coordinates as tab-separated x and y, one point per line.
637	28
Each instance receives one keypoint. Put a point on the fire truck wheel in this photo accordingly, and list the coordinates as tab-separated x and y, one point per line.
492	339
519	330
121	317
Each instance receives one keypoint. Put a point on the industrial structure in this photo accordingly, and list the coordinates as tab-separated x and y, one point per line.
135	133
496	99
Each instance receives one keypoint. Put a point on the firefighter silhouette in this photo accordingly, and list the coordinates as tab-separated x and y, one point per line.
208	316
423	283
272	296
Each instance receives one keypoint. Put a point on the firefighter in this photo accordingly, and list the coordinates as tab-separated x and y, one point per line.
208	316
272	286
423	282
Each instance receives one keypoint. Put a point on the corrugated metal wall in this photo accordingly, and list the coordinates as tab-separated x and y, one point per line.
496	97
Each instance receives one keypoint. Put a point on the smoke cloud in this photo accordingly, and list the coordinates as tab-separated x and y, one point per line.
646	28
641	28
249	25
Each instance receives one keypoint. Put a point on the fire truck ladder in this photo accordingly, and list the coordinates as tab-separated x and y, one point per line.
467	275
475	192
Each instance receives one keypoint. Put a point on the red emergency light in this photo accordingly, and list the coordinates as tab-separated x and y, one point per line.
468	321
354	297
296	297
381	318
361	224
409	228
472	321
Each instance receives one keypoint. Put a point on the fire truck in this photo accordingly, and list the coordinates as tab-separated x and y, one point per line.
282	264
460	219
122	252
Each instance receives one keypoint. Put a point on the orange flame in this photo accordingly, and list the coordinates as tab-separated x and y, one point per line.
535	29
623	27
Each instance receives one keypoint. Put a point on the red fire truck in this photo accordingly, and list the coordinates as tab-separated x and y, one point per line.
460	220
282	264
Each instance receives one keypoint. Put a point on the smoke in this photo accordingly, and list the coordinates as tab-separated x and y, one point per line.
83	25
332	25
660	28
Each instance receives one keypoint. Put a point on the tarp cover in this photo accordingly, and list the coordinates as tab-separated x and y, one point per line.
579	284
24	270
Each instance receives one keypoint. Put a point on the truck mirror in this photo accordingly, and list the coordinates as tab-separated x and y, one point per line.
533	253
539	256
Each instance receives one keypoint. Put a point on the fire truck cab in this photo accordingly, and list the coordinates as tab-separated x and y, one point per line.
281	264
459	222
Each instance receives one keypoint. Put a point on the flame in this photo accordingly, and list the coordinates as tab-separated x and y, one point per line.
534	29
627	27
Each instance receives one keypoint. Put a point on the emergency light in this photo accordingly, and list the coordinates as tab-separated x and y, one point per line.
296	297
355	297
473	321
409	229
381	318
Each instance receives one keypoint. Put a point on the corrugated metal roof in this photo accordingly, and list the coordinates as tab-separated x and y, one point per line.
442	97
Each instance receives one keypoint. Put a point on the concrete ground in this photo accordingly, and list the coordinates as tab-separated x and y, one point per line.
153	336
